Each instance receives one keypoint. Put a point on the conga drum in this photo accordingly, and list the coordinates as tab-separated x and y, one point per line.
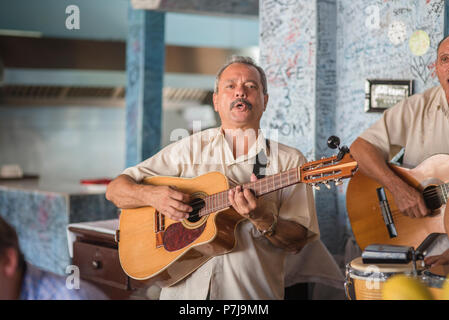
365	281
435	279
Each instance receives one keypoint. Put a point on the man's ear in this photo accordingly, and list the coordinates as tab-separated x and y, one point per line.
9	262
265	101
215	101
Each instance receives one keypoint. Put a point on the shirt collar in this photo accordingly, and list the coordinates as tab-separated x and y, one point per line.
443	99
254	149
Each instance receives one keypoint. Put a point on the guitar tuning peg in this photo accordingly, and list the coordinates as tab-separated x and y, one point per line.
338	182
333	142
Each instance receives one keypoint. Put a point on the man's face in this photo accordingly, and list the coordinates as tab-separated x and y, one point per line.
442	66
240	101
9	281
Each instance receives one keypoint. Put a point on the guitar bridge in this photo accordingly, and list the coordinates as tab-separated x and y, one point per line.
159	226
160	239
386	213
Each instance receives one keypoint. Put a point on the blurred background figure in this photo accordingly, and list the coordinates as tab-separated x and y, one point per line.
21	280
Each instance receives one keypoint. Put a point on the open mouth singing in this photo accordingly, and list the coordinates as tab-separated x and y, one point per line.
241	104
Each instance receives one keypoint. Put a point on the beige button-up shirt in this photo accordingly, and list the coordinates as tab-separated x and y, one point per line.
255	268
419	123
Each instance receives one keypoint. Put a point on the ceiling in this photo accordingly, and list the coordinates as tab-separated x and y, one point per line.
107	20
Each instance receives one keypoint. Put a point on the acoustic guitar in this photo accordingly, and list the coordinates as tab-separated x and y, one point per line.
154	248
370	225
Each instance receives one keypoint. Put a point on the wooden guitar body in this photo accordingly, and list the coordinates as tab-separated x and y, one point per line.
366	217
169	256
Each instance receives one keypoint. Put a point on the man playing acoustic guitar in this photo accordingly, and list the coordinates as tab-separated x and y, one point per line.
420	124
279	222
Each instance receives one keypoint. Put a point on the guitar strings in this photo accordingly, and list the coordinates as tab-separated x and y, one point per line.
435	192
198	204
200	201
432	191
245	186
398	213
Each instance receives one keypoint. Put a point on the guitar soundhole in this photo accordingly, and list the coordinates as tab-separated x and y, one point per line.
197	204
432	197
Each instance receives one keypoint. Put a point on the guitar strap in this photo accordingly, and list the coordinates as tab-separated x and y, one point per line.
261	162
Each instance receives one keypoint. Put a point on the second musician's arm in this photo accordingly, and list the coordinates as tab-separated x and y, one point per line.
372	163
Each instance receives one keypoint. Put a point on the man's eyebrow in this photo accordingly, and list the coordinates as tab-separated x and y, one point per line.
234	80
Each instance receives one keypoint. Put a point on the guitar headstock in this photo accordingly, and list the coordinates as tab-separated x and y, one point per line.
327	170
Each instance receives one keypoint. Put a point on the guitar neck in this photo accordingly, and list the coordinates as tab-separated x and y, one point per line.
219	201
312	173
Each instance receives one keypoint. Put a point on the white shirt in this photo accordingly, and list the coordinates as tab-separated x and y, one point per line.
255	267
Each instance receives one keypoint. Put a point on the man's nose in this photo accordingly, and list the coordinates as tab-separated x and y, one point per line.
240	92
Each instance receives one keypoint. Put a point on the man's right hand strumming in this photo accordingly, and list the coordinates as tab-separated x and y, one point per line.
126	193
170	202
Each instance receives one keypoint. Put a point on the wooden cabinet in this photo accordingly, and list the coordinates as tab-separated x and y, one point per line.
96	255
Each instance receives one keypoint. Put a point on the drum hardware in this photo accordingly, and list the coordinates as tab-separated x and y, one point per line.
422	249
381	254
435	279
379	262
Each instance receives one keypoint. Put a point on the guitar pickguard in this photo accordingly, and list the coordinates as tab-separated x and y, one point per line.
177	237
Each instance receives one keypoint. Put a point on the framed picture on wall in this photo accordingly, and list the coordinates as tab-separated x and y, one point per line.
382	94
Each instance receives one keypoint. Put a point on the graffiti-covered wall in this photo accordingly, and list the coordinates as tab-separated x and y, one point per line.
383	40
287	53
318	55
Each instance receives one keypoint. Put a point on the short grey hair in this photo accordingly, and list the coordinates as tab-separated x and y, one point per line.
441	41
245	60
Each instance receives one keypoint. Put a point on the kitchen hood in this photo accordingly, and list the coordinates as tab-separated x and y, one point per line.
50	71
58	72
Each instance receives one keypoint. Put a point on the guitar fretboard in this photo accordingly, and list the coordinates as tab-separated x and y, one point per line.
444	191
219	201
